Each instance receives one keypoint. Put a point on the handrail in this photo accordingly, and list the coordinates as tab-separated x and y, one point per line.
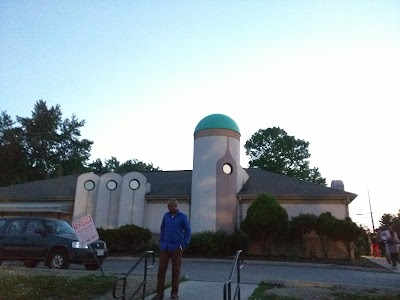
123	296
228	284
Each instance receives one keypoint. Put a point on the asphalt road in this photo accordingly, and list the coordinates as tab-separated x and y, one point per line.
253	272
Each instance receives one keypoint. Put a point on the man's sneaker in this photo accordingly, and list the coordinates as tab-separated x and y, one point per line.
158	297
174	298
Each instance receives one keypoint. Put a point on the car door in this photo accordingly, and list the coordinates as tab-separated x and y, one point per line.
12	239
34	240
3	222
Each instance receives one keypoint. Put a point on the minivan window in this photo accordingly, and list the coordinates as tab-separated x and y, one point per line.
59	227
16	226
2	222
33	227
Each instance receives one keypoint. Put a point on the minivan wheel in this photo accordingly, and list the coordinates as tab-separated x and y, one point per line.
31	263
58	260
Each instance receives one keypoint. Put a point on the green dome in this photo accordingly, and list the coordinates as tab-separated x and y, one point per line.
217	121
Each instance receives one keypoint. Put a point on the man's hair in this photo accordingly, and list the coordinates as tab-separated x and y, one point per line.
173	200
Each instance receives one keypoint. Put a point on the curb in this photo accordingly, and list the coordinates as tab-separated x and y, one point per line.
273	263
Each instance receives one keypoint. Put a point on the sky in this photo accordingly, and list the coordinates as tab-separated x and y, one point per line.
143	74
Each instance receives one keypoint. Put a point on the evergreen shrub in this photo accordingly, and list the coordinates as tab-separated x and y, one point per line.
127	239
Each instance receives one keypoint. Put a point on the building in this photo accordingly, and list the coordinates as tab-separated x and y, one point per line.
215	194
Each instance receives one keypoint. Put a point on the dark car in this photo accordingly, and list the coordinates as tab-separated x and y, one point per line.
52	241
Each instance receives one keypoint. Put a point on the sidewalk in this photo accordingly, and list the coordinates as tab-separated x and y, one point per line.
384	263
201	290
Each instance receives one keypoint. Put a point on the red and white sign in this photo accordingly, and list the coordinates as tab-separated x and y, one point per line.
85	230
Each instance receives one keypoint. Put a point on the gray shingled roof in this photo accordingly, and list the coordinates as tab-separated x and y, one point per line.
262	181
54	188
178	184
170	183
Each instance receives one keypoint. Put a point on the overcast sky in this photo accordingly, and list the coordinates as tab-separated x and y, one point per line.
142	74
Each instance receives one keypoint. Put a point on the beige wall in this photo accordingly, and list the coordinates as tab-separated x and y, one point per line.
155	211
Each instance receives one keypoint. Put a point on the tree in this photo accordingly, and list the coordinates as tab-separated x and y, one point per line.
348	232
136	165
300	226
13	160
43	146
274	150
386	219
40	136
326	225
6	124
392	219
97	167
73	153
113	165
396	223
265	220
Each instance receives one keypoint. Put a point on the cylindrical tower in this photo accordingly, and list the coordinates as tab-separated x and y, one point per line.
216	167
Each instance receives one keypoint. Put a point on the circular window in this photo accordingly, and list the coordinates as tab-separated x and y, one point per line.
227	168
111	185
134	184
88	185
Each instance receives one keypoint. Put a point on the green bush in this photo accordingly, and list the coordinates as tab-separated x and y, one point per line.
150	246
215	244
238	241
128	239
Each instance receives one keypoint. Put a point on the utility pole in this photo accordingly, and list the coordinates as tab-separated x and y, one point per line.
370	210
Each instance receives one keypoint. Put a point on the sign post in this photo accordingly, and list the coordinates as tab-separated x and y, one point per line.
86	233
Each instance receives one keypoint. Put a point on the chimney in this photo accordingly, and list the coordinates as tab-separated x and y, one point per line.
337	184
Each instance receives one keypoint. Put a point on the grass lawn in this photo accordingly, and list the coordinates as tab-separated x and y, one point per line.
41	287
45	284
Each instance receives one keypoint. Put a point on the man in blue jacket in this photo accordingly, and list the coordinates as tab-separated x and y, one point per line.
175	236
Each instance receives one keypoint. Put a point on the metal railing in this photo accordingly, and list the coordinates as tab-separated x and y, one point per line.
237	265
142	285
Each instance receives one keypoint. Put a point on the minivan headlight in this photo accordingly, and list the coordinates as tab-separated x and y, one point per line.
76	244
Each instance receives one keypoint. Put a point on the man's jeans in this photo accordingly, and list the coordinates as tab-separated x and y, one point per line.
394	257
176	259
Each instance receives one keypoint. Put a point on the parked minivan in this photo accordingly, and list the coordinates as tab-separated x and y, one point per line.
52	241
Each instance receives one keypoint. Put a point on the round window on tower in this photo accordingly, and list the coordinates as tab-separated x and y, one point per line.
134	184
111	185
88	185
227	168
